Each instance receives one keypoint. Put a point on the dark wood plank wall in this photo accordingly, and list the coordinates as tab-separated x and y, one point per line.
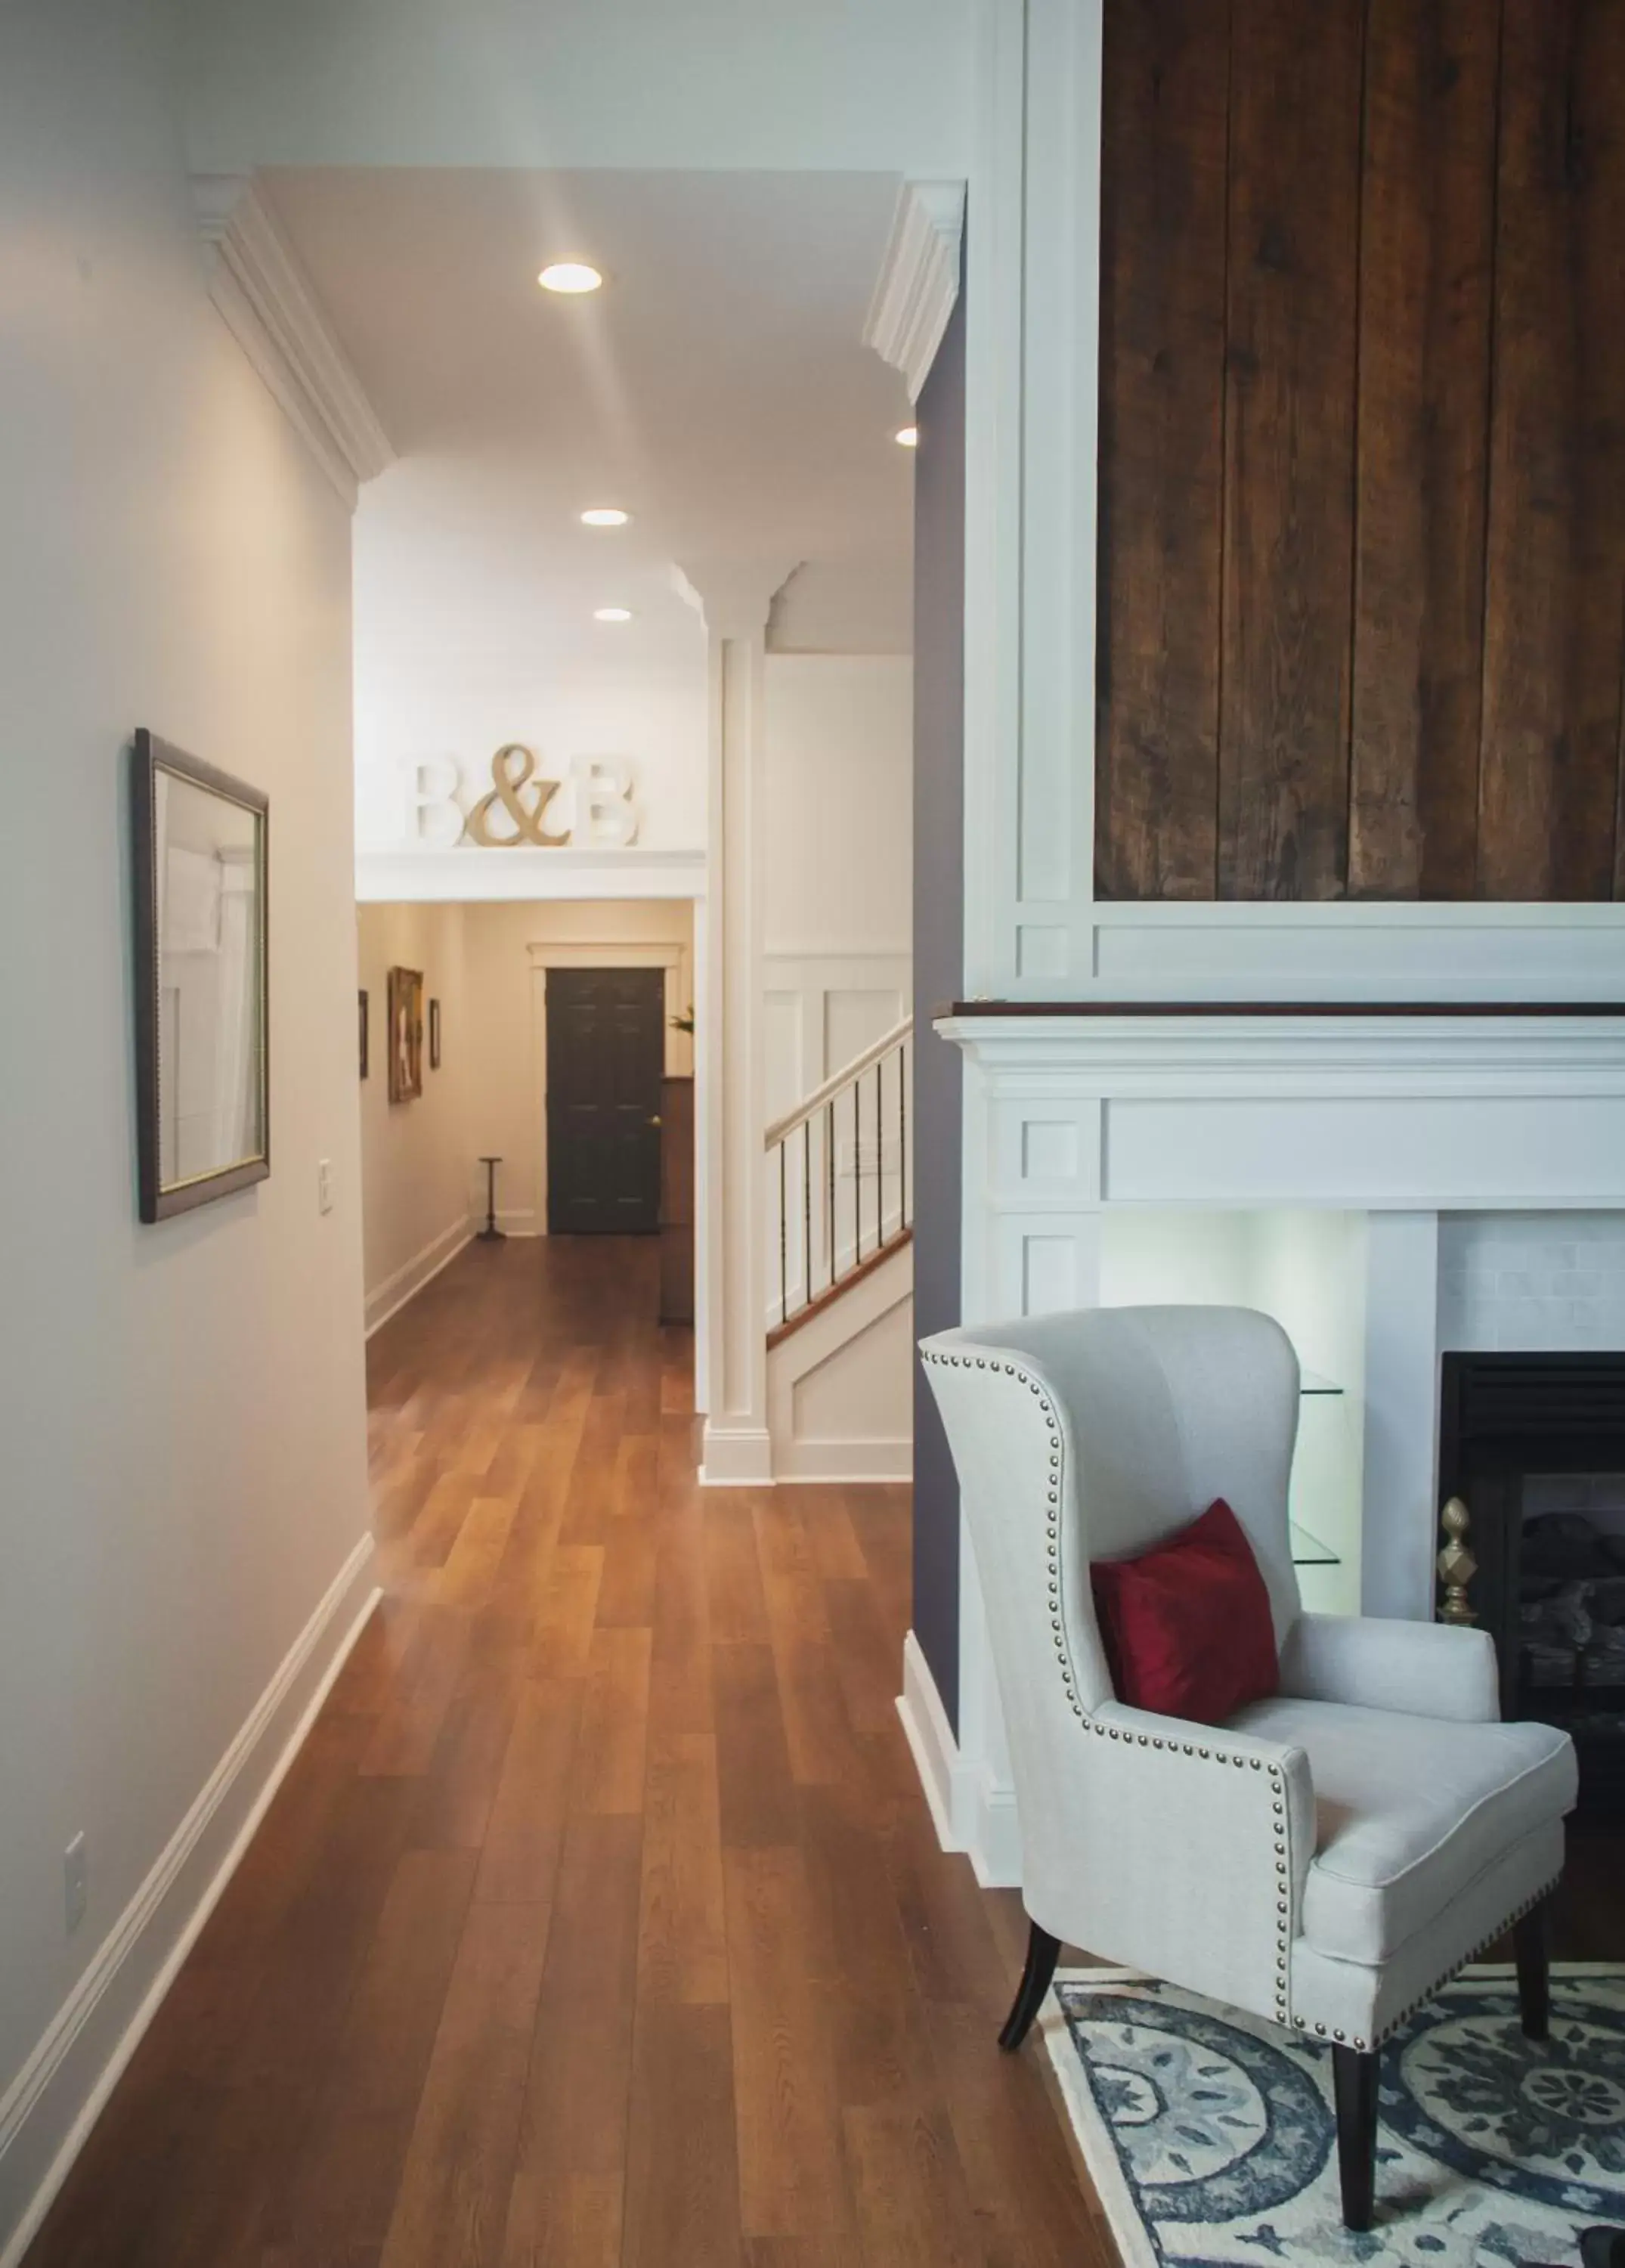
1362	450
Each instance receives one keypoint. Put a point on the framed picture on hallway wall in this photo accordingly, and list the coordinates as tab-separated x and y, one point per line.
362	1033
434	1035
199	842
406	1034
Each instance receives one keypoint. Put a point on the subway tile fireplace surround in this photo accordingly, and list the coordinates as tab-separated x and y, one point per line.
1451	1177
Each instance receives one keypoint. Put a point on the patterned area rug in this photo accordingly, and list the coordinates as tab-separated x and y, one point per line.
1211	2138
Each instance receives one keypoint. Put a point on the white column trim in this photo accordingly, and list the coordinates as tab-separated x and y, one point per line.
257	283
734	597
919	279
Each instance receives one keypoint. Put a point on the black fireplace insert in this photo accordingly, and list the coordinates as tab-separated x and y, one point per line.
1534	1445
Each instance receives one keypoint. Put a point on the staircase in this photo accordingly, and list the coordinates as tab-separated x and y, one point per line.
841	1276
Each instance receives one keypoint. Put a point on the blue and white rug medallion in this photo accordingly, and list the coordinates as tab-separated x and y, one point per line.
1211	2140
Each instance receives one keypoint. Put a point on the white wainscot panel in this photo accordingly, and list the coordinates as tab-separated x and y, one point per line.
1045	1262
829	1006
1046	1152
1366	1149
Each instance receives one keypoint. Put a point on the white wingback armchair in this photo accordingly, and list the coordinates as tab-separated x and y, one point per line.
1326	1857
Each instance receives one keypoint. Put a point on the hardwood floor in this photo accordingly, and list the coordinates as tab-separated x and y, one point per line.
600	1920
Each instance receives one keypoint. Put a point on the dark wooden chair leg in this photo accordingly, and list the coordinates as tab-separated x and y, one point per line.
1353	2079
1043	1952
1531	1948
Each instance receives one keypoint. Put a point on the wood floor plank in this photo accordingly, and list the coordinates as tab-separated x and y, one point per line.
752	1756
682	2186
739	1611
343	2192
453	2202
574	2128
792	2172
682	1948
615	1724
525	1832
568	1607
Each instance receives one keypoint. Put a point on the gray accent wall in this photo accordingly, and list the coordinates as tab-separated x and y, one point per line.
938	974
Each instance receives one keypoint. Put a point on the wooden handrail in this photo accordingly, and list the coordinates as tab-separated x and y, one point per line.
839	1081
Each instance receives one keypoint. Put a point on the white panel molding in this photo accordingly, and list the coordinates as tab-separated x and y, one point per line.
919	279
468	875
1342	951
258	287
47	2112
834	1341
406	1282
801	982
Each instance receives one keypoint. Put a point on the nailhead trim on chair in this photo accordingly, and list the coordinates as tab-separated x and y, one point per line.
1277	1777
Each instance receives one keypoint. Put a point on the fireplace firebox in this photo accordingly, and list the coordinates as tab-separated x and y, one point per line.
1534	1446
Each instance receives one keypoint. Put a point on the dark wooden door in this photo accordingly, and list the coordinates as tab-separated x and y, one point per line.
606	1055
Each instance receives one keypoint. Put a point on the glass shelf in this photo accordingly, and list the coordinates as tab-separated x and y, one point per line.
1310	1382
1308	1550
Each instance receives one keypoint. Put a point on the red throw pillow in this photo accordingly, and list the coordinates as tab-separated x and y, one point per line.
1187	1627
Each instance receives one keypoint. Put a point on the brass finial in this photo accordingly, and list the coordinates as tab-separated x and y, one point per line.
1456	1564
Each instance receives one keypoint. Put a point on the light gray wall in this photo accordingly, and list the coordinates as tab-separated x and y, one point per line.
181	1407
938	977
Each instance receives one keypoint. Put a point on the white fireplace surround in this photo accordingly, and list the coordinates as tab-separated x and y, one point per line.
1399	1118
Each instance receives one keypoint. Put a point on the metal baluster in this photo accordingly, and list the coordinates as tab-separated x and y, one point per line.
829	1162
879	1165
858	1175
784	1263
902	1132
807	1211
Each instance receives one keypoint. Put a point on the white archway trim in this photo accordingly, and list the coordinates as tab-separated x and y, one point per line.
919	279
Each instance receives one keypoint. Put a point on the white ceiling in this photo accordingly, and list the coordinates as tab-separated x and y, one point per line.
717	388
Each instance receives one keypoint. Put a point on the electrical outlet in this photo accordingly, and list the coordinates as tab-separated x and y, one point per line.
324	1185
76	1881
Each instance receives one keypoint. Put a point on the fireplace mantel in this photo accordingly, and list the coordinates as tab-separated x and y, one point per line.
1392	1108
1396	1112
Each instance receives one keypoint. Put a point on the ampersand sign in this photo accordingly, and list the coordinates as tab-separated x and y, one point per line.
513	769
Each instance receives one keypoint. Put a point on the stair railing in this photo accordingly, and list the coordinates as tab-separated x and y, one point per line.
839	1196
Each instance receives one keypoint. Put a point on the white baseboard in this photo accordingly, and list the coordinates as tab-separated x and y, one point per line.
970	1812
55	2100
388	1297
931	1739
735	1456
811	1462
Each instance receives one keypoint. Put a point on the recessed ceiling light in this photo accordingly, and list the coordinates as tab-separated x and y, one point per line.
612	614
908	436
569	276
605	515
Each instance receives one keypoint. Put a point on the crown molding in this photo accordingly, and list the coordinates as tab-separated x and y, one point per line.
257	283
919	279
